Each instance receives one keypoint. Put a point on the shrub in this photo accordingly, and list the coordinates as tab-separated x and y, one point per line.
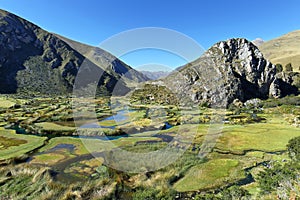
279	68
289	67
294	148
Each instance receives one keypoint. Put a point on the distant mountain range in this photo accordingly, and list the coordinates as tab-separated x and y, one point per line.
283	50
33	60
258	42
154	75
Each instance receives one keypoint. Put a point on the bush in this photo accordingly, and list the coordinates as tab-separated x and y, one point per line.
289	67
235	192
279	68
294	148
152	194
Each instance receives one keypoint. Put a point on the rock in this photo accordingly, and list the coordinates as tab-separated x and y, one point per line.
253	103
282	85
229	70
237	103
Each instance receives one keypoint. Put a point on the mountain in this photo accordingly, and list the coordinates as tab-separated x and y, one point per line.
258	42
229	70
155	75
106	61
284	49
33	60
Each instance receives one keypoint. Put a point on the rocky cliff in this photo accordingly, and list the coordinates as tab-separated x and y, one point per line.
232	69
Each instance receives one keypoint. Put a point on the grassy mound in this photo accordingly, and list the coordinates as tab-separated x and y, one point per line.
209	175
15	145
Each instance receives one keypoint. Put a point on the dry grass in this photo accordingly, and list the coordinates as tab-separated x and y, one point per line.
283	50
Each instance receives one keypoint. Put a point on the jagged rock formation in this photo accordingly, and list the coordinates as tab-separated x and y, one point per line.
229	70
283	84
33	60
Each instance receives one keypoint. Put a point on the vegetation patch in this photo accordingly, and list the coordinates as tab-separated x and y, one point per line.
268	137
15	145
47	159
48	126
5	142
212	174
6	103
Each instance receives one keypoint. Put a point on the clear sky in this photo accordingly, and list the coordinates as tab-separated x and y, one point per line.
206	21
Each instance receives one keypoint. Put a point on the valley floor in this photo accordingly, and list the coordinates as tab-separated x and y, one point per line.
44	154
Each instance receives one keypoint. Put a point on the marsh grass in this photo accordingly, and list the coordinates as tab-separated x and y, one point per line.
212	174
268	137
20	144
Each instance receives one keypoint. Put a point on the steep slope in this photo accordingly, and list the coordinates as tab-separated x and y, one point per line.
35	61
233	69
106	61
284	49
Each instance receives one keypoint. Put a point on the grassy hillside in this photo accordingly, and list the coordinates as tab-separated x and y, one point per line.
284	49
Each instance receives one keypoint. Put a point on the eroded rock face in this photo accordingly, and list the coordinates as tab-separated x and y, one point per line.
283	85
232	69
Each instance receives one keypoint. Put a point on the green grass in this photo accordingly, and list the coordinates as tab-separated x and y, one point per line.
48	159
212	174
48	126
108	123
85	146
256	154
79	147
82	147
32	142
269	137
5	142
6	103
252	189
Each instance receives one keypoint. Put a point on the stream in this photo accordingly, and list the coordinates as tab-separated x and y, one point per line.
119	117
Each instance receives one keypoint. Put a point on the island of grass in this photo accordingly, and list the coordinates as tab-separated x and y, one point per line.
13	145
6	103
267	137
211	174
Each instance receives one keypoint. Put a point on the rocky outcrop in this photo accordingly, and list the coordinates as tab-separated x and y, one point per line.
229	70
283	85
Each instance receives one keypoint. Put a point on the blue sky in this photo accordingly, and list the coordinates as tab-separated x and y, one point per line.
206	21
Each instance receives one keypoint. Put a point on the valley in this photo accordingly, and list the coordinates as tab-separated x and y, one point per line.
48	143
76	122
